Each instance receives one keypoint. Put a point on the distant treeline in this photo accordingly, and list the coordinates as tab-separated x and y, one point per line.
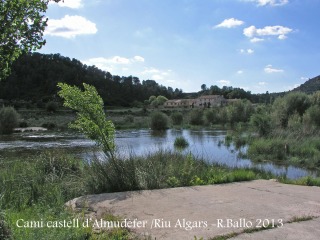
35	76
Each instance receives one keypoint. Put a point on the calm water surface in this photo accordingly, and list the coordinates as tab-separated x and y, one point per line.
204	144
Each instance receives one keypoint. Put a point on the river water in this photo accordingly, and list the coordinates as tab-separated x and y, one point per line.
202	143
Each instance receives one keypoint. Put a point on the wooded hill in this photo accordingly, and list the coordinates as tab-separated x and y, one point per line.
310	86
35	76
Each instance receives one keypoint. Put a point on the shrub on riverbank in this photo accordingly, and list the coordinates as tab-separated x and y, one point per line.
181	142
159	121
196	117
177	118
8	120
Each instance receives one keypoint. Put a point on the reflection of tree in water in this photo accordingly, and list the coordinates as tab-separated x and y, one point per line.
159	133
198	136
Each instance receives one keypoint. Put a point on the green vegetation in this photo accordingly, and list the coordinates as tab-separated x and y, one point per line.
181	142
8	120
159	121
177	118
22	27
91	119
35	189
157	101
196	117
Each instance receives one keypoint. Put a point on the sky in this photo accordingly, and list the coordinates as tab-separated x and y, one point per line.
258	45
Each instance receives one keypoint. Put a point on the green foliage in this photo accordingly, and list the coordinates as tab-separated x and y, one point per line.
283	108
261	122
22	27
196	117
51	106
48	69
177	118
181	142
8	120
157	101
91	119
312	116
239	111
268	149
211	116
159	121
152	98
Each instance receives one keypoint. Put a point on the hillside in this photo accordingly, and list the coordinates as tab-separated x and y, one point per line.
310	86
35	76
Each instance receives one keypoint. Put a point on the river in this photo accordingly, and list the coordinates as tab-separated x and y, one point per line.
206	144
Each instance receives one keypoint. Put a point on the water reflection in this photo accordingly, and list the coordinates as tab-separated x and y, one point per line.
203	144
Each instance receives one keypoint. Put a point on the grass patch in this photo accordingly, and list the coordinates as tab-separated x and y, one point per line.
181	142
37	189
300	219
304	181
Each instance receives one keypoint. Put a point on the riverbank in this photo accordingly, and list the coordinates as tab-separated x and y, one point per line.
45	182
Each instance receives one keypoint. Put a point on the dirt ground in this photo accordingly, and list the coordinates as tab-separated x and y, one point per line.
209	211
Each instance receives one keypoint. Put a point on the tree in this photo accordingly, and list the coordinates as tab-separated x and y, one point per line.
8	120
159	121
22	27
91	119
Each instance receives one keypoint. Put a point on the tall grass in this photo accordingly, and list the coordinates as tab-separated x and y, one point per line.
162	169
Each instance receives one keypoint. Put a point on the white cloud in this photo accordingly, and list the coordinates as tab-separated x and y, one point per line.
69	3
150	71
282	37
280	31
138	59
247	51
270	2
240	72
115	65
229	23
223	82
266	31
255	39
270	69
262	83
70	27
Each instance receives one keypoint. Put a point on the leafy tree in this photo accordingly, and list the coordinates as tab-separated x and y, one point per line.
91	119
261	122
152	98
177	118
283	108
8	120
196	117
22	27
159	121
161	99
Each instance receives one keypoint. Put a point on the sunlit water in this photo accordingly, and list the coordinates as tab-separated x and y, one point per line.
203	144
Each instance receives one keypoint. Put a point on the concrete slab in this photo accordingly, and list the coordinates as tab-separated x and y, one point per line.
208	211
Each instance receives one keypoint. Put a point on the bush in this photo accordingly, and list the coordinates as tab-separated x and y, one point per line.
8	120
177	118
261	122
211	116
159	121
312	116
196	117
181	142
270	149
51	106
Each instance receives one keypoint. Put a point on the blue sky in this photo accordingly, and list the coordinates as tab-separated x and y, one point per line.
259	45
